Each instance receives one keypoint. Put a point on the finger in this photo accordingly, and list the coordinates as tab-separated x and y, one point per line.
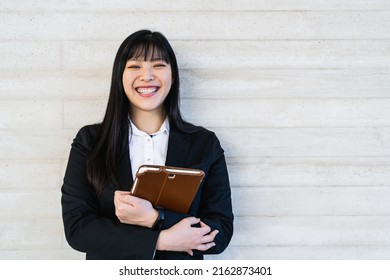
122	207
116	195
193	220
209	237
135	200
205	246
121	193
117	200
205	228
213	233
127	198
190	252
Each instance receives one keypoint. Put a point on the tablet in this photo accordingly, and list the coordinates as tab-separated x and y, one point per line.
172	188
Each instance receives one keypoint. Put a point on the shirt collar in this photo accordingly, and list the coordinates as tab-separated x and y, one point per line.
165	127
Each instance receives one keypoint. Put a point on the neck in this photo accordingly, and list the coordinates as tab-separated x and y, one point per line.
149	122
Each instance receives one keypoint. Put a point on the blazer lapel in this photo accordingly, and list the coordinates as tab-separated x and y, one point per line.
178	147
125	177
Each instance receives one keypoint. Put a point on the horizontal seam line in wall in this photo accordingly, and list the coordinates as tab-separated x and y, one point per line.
276	40
352	69
289	68
325	246
44	130
268	98
310	187
57	160
100	98
32	99
304	157
124	12
313	157
26	41
292	127
349	69
307	216
228	158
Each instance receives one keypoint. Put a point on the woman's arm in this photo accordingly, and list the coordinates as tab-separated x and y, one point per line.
215	208
86	229
185	236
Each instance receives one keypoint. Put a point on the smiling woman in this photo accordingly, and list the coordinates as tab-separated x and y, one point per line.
143	124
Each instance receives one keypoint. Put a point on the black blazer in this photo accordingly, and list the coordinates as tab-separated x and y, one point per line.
90	222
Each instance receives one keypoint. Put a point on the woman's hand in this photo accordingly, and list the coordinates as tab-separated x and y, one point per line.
134	210
183	237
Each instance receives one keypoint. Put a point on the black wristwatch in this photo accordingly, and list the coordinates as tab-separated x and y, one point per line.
158	224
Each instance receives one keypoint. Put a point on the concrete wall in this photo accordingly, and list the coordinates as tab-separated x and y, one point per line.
297	91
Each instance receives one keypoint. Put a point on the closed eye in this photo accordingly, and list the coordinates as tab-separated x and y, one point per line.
160	65
133	67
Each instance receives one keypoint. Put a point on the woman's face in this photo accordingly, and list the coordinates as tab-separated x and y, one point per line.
146	84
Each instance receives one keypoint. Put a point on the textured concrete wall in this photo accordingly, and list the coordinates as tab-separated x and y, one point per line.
297	91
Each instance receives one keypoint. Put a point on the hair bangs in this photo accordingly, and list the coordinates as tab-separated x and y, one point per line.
148	48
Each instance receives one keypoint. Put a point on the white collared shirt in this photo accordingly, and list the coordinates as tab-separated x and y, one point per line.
148	149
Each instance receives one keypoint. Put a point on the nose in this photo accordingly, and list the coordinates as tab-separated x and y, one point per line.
147	75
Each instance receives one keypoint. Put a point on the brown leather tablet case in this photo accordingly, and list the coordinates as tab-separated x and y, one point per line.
168	187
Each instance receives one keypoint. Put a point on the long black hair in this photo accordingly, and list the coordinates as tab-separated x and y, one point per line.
110	143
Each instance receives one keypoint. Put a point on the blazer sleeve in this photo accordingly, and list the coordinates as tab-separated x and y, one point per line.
86	229
215	207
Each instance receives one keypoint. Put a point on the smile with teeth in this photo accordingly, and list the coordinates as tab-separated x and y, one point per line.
146	90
